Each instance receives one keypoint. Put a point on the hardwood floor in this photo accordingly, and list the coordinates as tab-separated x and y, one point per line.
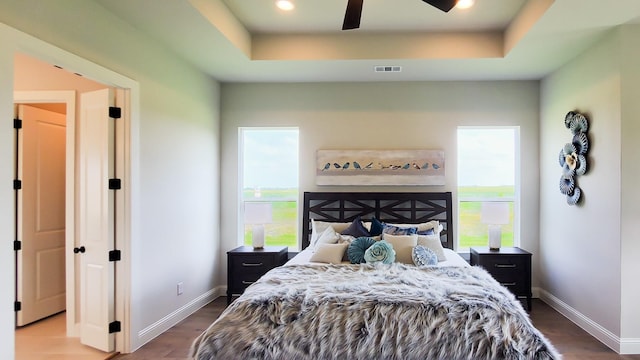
573	342
174	344
47	339
570	340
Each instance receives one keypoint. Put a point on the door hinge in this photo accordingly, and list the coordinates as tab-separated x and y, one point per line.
115	112
115	255
115	184
17	184
17	123
17	245
17	306
114	327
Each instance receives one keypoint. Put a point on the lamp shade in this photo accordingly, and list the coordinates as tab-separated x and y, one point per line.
494	213
257	213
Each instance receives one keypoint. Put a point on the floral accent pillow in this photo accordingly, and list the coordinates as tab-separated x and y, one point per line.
381	251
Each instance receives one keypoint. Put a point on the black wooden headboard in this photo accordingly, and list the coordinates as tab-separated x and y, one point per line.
393	207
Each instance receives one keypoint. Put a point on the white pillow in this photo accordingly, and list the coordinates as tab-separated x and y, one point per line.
403	246
345	239
328	236
433	242
318	227
329	253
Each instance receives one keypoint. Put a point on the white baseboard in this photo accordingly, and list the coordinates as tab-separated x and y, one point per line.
154	330
596	330
629	346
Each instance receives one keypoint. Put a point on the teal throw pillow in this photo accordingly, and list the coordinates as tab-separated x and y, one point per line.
376	227
357	248
381	251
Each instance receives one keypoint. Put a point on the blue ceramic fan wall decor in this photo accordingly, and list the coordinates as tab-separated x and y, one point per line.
573	156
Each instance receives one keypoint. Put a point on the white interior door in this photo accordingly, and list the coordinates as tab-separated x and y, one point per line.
41	223
96	218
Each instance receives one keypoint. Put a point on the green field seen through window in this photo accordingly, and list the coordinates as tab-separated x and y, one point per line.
472	232
284	228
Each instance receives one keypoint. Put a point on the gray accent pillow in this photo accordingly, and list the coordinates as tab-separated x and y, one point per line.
423	256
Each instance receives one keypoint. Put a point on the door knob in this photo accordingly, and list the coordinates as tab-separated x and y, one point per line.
81	249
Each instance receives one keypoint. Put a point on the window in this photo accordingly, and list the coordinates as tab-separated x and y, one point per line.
487	174
269	166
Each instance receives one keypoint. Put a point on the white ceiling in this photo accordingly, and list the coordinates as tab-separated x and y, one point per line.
260	16
253	41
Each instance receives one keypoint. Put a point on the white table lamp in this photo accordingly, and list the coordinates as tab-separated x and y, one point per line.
257	214
495	214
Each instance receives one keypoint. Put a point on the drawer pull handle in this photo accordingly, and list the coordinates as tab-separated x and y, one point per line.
252	264
508	284
247	282
505	265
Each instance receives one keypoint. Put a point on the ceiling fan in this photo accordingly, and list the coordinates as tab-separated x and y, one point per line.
354	11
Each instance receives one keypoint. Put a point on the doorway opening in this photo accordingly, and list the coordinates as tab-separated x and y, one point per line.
34	80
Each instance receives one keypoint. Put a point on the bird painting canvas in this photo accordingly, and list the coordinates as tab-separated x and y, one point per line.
380	167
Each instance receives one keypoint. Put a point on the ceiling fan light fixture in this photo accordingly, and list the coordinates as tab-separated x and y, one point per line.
286	5
464	4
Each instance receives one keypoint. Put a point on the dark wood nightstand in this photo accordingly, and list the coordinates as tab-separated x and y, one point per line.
245	265
510	266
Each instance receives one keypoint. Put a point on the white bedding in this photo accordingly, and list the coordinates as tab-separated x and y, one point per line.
453	259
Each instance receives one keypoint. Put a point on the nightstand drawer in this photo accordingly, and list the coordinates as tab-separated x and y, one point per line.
242	281
517	284
503	265
516	288
244	264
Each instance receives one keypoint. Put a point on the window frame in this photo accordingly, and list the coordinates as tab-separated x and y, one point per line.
241	172
516	199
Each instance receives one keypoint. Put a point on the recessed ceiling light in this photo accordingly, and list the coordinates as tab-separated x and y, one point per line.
464	4
285	5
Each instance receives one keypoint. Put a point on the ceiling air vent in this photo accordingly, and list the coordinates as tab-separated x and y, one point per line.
386	68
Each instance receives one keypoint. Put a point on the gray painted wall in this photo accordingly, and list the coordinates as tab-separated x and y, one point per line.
589	252
176	227
407	115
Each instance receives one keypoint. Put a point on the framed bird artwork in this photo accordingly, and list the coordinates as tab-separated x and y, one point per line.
380	167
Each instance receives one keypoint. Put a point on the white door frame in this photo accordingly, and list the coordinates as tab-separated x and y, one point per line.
128	157
68	98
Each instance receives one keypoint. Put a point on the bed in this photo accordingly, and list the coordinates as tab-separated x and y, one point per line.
333	309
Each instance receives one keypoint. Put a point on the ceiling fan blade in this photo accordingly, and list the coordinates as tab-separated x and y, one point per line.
352	15
444	5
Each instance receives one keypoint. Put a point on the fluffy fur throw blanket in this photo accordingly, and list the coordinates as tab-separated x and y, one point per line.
374	312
